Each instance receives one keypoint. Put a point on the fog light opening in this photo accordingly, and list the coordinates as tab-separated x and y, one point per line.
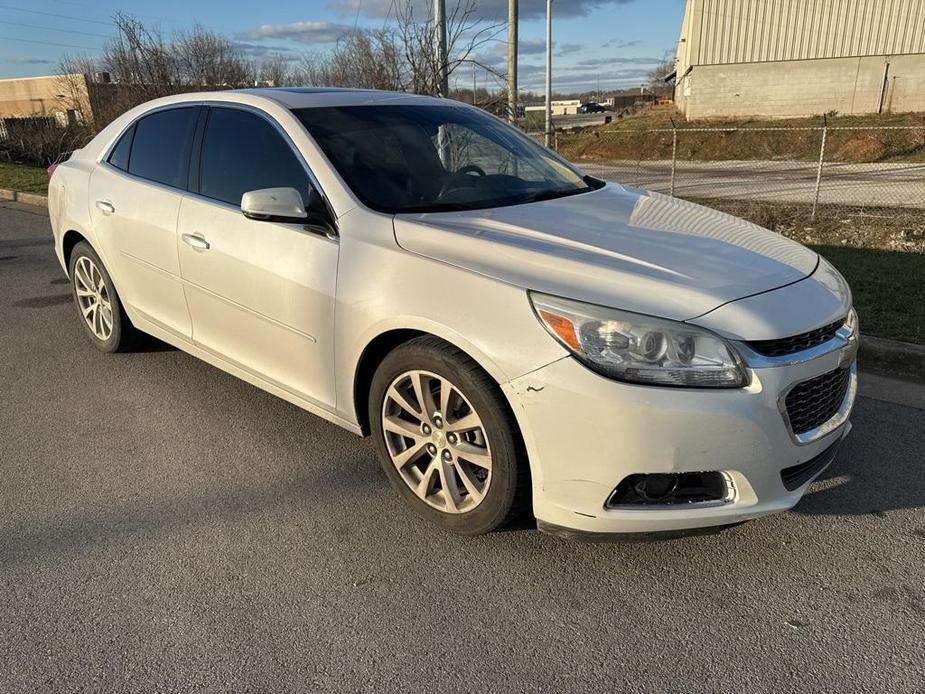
656	487
672	489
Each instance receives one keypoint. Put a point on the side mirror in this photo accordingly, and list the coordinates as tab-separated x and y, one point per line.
274	205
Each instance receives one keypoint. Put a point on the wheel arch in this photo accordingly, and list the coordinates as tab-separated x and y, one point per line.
372	355
383	343
68	241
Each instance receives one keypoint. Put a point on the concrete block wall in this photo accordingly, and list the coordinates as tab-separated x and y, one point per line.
906	84
804	87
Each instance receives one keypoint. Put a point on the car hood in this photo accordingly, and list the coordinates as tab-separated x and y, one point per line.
618	247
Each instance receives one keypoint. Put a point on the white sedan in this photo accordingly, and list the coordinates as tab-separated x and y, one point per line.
513	333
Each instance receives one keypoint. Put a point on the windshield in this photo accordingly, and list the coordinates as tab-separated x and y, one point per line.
401	158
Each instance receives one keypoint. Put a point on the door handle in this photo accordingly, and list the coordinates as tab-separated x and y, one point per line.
196	241
105	207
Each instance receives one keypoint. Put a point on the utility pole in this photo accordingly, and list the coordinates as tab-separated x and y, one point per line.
548	73
512	60
440	48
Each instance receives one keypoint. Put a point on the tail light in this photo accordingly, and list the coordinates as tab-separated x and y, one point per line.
51	170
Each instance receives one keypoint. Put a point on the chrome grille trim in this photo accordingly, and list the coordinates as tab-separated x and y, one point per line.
843	338
785	346
834	422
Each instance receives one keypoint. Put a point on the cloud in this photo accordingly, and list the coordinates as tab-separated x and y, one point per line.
526	47
260	50
485	9
303	32
29	61
577	80
619	43
606	62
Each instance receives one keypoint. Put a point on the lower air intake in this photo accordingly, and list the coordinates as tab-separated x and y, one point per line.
670	489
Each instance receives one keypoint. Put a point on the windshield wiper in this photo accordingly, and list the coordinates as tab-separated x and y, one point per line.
553	194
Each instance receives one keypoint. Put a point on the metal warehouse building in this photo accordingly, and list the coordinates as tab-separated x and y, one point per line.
800	57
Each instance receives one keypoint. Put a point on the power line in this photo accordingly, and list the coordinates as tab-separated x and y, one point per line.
52	14
66	31
49	43
75	2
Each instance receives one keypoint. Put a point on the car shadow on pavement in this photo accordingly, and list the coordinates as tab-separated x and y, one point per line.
321	507
877	470
148	343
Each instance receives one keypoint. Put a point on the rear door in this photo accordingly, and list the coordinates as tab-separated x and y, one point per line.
135	198
261	294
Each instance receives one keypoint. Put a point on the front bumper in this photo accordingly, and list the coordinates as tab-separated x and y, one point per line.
584	433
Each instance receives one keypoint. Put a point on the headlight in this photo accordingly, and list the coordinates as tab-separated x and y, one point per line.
641	349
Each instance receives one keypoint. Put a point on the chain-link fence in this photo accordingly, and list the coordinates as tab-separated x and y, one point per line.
870	167
863	178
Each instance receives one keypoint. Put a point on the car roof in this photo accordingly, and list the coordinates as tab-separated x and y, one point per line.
308	97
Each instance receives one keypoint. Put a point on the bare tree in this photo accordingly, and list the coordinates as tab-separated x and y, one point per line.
144	64
655	80
274	71
208	59
404	57
364	59
140	56
465	35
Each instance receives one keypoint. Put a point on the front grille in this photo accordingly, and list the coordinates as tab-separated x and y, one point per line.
796	476
786	346
814	402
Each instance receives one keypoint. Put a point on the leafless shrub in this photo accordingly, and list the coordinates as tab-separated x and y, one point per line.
39	140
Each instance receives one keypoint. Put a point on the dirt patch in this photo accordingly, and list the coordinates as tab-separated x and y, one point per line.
883	228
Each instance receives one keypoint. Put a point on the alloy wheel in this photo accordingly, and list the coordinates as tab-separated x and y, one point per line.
93	297
437	441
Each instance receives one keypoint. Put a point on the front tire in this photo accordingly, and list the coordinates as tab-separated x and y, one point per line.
98	306
446	438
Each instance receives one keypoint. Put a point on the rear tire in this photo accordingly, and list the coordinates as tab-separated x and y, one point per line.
464	468
98	306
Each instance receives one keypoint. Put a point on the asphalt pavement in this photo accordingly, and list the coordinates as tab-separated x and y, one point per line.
166	527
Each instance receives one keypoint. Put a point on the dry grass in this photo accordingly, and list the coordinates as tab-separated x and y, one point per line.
626	139
884	228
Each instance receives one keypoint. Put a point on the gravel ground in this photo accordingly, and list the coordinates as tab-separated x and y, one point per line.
166	527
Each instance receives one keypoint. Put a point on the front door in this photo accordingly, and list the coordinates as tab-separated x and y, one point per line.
261	294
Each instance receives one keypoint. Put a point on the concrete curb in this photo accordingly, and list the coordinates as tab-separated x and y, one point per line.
25	198
890	358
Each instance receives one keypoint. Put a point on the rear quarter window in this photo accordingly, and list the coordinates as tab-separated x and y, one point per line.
161	146
120	153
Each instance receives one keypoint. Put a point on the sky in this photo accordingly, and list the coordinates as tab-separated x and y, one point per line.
605	43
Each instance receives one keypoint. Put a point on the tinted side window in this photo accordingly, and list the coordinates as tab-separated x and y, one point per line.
119	155
161	148
241	152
